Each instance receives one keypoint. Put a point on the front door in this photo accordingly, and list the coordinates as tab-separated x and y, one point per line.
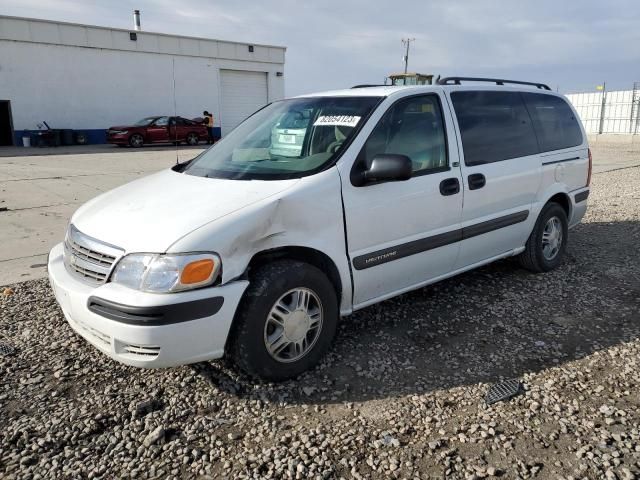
501	172
401	234
158	131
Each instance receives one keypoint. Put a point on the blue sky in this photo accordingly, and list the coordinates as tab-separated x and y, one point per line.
571	45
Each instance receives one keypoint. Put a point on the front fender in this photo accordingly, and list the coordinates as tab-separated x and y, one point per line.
307	215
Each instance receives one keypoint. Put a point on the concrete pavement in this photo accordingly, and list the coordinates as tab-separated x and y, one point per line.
40	188
40	191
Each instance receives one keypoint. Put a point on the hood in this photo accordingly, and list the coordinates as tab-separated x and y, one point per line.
150	214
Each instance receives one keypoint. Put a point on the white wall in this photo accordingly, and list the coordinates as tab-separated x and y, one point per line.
618	115
93	88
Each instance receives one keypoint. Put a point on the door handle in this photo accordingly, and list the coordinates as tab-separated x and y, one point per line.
449	186
476	181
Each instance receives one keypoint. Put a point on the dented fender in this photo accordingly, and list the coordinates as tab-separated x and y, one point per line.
307	214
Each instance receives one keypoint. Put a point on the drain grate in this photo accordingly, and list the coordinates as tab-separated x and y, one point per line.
503	391
6	349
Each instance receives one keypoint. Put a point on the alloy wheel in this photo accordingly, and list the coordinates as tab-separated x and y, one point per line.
552	238
293	325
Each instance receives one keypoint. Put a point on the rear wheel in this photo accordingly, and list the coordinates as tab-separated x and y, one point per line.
547	243
192	138
285	322
136	140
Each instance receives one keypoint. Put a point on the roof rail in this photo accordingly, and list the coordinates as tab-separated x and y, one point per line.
365	85
497	81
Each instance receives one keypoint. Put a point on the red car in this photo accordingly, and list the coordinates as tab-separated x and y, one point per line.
158	130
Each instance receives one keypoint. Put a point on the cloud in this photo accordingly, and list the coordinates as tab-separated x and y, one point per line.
337	43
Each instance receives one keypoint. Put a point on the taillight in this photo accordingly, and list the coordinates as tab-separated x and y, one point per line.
590	167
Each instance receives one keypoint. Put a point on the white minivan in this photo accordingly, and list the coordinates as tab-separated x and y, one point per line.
254	255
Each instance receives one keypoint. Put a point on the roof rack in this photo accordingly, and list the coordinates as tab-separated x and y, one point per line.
497	81
365	85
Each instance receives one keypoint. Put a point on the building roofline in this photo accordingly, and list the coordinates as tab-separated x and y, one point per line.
101	27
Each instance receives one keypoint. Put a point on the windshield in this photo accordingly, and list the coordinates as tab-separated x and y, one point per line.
287	139
144	122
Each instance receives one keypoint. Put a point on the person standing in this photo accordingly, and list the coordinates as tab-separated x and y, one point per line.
208	121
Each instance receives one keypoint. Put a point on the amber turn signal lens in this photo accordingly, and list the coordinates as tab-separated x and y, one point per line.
197	272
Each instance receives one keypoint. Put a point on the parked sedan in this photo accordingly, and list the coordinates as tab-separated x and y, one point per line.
158	130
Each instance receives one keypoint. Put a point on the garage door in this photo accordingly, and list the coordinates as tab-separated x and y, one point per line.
242	94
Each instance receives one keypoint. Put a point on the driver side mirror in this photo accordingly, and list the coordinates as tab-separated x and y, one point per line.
388	167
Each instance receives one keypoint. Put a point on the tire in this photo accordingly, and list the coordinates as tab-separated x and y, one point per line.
81	139
192	138
539	257
255	327
136	140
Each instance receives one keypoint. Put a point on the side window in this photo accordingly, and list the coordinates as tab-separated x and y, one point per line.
413	127
161	122
555	124
494	126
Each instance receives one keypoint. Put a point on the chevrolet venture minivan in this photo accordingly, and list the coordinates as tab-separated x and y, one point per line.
255	254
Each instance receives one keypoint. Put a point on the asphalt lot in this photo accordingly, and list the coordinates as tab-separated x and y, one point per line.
40	188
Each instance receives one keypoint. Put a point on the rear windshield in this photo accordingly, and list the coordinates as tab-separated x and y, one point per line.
259	148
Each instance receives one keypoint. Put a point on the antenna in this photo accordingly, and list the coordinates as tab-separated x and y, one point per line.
175	109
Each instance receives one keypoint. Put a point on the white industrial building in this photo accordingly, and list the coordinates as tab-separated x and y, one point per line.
88	78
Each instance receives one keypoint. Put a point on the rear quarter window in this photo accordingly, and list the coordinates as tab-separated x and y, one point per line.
494	126
554	121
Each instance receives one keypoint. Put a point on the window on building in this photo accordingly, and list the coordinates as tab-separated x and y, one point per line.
494	126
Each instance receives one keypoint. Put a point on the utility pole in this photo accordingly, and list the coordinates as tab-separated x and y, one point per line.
407	42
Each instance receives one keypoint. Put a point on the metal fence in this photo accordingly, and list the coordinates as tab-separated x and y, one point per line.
609	112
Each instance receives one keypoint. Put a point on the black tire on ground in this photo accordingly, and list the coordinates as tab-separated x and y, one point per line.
247	343
192	138
533	257
136	140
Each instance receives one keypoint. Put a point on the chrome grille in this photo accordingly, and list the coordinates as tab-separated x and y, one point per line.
88	258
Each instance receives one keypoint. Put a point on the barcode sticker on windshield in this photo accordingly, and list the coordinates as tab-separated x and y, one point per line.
337	120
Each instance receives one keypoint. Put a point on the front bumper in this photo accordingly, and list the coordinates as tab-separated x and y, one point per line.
146	329
118	138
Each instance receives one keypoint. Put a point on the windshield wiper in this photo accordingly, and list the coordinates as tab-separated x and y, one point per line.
267	160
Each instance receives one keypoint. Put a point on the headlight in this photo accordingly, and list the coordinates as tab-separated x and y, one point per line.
152	272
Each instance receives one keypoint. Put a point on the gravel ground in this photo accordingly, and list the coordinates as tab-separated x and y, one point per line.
399	396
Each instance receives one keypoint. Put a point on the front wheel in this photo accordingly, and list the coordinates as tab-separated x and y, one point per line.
192	139
285	322
136	140
548	241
